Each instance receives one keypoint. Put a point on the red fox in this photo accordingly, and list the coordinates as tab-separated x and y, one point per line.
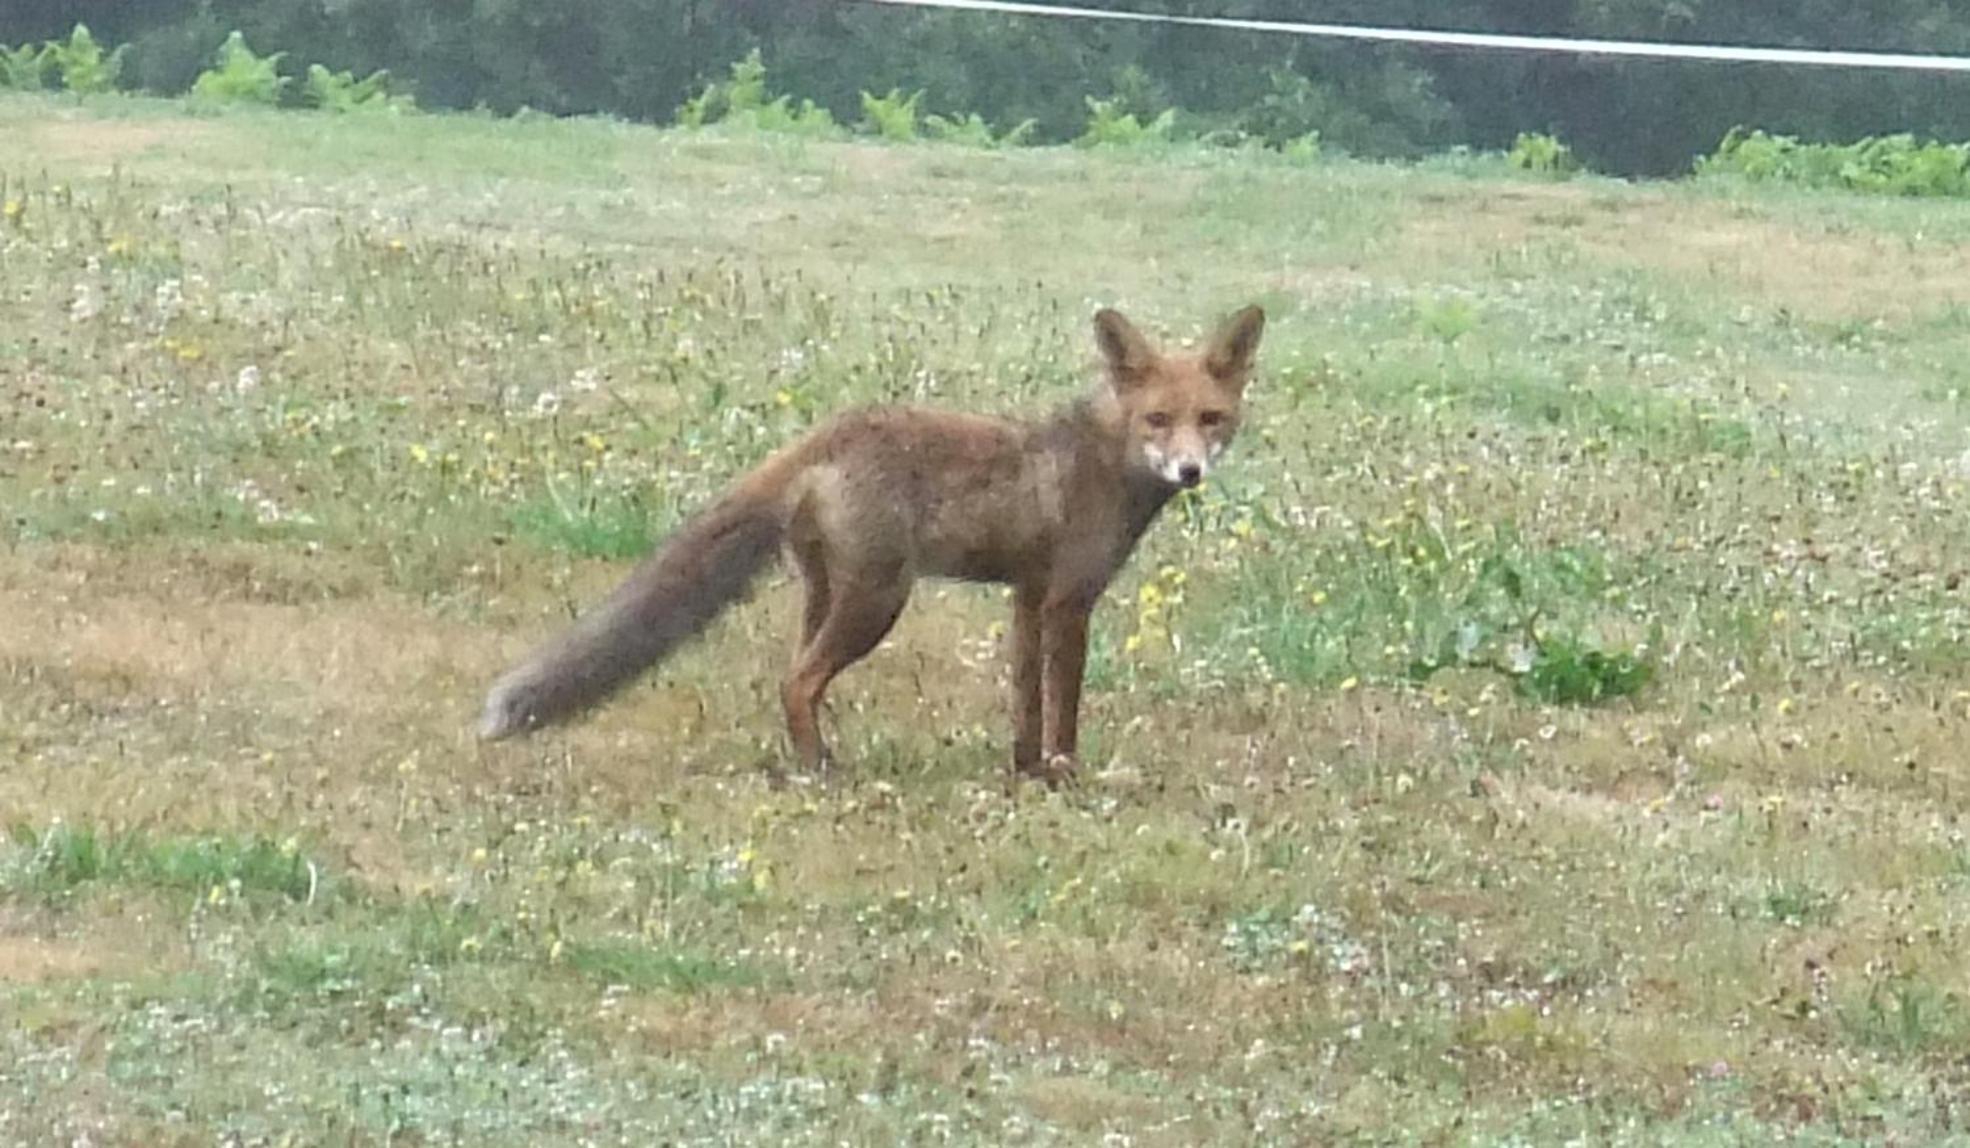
874	499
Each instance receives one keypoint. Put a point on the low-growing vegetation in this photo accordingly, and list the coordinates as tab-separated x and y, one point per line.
892	117
77	64
638	60
1286	119
1109	125
238	76
343	92
742	102
1541	154
1884	165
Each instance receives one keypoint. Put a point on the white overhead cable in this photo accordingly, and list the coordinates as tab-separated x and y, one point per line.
1642	49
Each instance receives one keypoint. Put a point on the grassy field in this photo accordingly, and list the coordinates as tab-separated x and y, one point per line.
308	426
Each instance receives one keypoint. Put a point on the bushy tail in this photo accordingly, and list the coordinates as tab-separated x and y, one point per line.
706	566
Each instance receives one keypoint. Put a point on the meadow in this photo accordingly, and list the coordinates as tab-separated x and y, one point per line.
1547	726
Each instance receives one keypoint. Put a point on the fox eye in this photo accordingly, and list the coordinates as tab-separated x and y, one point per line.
1210	418
1157	420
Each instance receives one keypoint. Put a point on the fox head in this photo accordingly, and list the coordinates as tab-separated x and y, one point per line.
1179	411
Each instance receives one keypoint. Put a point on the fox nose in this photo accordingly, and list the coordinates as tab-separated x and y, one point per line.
1190	474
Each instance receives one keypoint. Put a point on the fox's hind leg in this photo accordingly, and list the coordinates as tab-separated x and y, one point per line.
807	554
810	558
862	605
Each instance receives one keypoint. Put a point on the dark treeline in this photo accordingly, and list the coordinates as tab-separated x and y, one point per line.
641	58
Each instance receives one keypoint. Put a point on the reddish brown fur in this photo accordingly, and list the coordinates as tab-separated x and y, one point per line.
875	499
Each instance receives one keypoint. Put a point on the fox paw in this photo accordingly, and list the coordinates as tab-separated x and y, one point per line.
1057	770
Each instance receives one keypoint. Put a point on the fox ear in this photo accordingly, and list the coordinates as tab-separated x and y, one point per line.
1129	355
1229	356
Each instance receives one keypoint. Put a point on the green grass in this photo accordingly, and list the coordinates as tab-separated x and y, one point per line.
640	968
1543	728
62	860
613	527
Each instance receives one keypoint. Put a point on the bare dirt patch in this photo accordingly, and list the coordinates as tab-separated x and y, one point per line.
28	960
1821	275
114	946
102	144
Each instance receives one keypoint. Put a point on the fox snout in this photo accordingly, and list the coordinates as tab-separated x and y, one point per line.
1177	466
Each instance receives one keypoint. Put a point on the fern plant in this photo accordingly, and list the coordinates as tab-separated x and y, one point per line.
973	131
342	92
700	109
1883	165
747	91
24	69
1542	154
892	117
1110	126
81	65
783	117
1019	134
744	92
742	102
1302	149
240	77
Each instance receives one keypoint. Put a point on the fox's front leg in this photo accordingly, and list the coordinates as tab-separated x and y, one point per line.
1065	638
1027	675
